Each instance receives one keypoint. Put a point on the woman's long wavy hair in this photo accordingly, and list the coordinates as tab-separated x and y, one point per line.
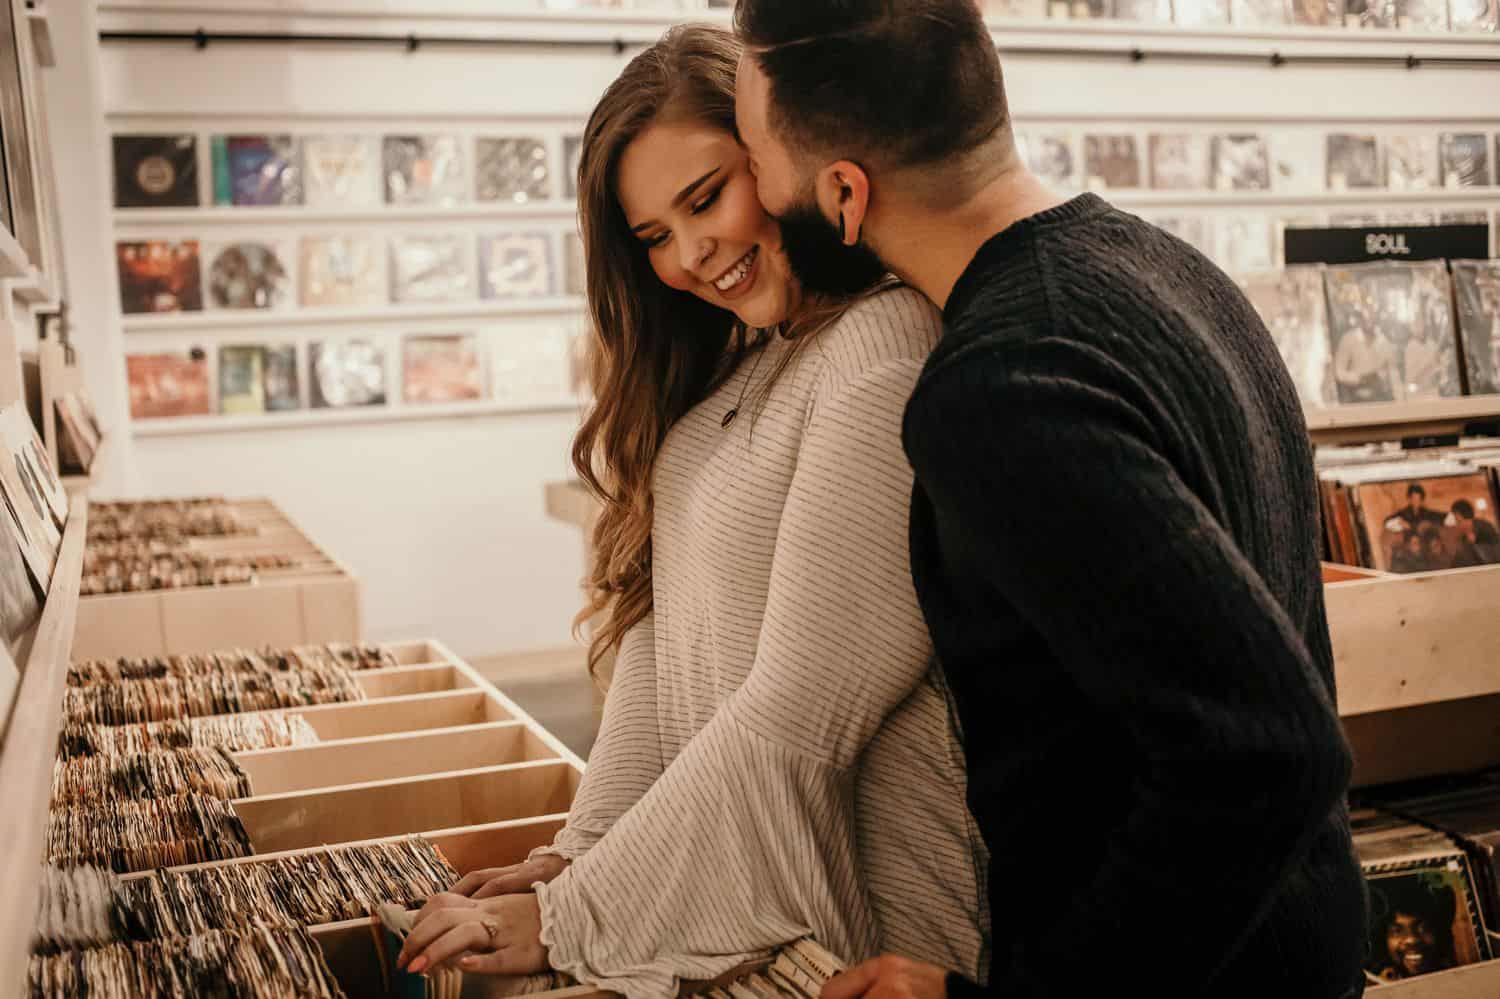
654	352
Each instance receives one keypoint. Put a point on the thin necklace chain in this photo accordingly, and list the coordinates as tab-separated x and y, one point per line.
749	380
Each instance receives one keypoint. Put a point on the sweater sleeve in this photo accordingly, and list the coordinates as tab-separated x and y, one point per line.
626	758
748	838
1058	488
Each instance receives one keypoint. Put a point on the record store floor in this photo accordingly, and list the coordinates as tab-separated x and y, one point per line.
552	686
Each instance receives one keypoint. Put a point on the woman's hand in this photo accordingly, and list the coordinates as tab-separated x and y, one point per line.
499	936
512	880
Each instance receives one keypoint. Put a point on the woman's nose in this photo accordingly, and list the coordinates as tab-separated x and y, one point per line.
694	253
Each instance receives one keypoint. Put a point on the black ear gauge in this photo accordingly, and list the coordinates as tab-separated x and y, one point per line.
841	227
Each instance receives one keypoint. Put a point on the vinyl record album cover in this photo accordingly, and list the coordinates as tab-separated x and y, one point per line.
1089	10
1369	13
516	265
1259	13
247	275
1198	231
1409	217
424	170
1392	330
1200	12
575	273
1476	287
1422	15
430	269
572	151
1474	15
281	381
159	276
1411	162
78	434
1241	163
1051	156
156	171
1179	162
1353	161
1297	161
1464	159
1032	9
441	368
1111	161
346	373
342	270
1244	242
1150	11
29	524
242	379
19	607
516	170
1318	13
168	384
1291	304
257	170
341	171
530	364
1472	216
1430	523
21	436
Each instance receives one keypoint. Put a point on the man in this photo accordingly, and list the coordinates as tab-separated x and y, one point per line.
1415	513
1365	365
1478	541
1153	753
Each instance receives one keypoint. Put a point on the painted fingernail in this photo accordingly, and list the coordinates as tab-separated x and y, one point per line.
417	966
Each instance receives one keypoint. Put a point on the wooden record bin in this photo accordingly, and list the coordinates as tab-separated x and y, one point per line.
1417	661
316	602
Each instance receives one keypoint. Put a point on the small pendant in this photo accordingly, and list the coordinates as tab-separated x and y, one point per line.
729	417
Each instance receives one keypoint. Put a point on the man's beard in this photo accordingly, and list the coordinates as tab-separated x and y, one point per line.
819	260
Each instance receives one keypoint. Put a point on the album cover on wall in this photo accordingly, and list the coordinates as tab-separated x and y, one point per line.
1422	15
341	171
342	270
1200	12
1472	216
247	275
1179	162
1035	9
575	273
1291	304
1353	161
1051	156
257	170
1111	161
1476	288
1430	523
1259	13
1318	13
1198	231
1392	331
424	170
281	381
516	265
430	269
1369	13
242	379
1244	242
530	364
1474	15
345	374
1464	159
572	150
512	169
1411	162
1297	161
1241	163
156	171
441	368
168	384
1150	11
159	276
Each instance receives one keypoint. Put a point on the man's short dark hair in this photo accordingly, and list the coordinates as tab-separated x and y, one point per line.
900	82
1415	489
1463	508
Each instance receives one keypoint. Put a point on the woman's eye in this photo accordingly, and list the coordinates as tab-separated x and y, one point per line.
706	203
652	242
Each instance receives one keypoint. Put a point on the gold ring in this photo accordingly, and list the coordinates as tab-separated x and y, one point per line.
493	929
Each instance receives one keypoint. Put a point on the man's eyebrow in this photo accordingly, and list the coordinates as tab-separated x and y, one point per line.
682	195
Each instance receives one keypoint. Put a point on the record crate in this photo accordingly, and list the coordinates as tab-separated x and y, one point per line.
316	601
1417	664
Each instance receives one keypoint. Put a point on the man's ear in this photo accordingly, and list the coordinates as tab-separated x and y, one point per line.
844	196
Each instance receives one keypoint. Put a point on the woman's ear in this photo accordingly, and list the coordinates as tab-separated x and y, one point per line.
844	194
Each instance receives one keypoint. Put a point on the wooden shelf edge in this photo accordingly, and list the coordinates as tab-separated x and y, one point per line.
300	419
392	313
29	749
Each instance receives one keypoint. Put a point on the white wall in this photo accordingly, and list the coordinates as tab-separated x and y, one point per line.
443	519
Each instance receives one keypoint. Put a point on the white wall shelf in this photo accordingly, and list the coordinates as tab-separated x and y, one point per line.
1132	197
34	289
13	261
402	313
139	218
1392	420
262	422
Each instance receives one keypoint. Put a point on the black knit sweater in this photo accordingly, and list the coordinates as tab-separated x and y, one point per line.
1115	543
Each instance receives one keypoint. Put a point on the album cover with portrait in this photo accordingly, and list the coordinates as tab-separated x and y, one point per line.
1464	159
1411	162
1474	15
257	170
281	382
1297	161
1051	156
346	373
1430	523
1424	916
1353	161
516	265
341	171
156	171
342	271
1290	302
242	379
159	276
1392	330
424	170
247	275
1243	242
168	384
1422	15
1476	289
1179	161
1111	161
516	170
1242	162
441	368
430	269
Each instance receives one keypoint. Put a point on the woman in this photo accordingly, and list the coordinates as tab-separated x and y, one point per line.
776	757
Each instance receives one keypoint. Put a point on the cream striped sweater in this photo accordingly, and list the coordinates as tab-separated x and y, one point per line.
777	755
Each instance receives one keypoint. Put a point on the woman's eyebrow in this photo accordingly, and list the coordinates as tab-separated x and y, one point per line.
682	195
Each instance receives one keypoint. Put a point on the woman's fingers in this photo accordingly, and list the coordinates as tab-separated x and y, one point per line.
505	884
463	937
475	880
441	901
433	923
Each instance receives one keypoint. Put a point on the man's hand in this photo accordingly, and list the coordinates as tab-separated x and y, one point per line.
499	936
513	880
889	977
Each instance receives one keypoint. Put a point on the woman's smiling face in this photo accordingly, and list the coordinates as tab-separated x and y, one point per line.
689	198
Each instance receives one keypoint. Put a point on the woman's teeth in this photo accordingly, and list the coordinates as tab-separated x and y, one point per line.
737	273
